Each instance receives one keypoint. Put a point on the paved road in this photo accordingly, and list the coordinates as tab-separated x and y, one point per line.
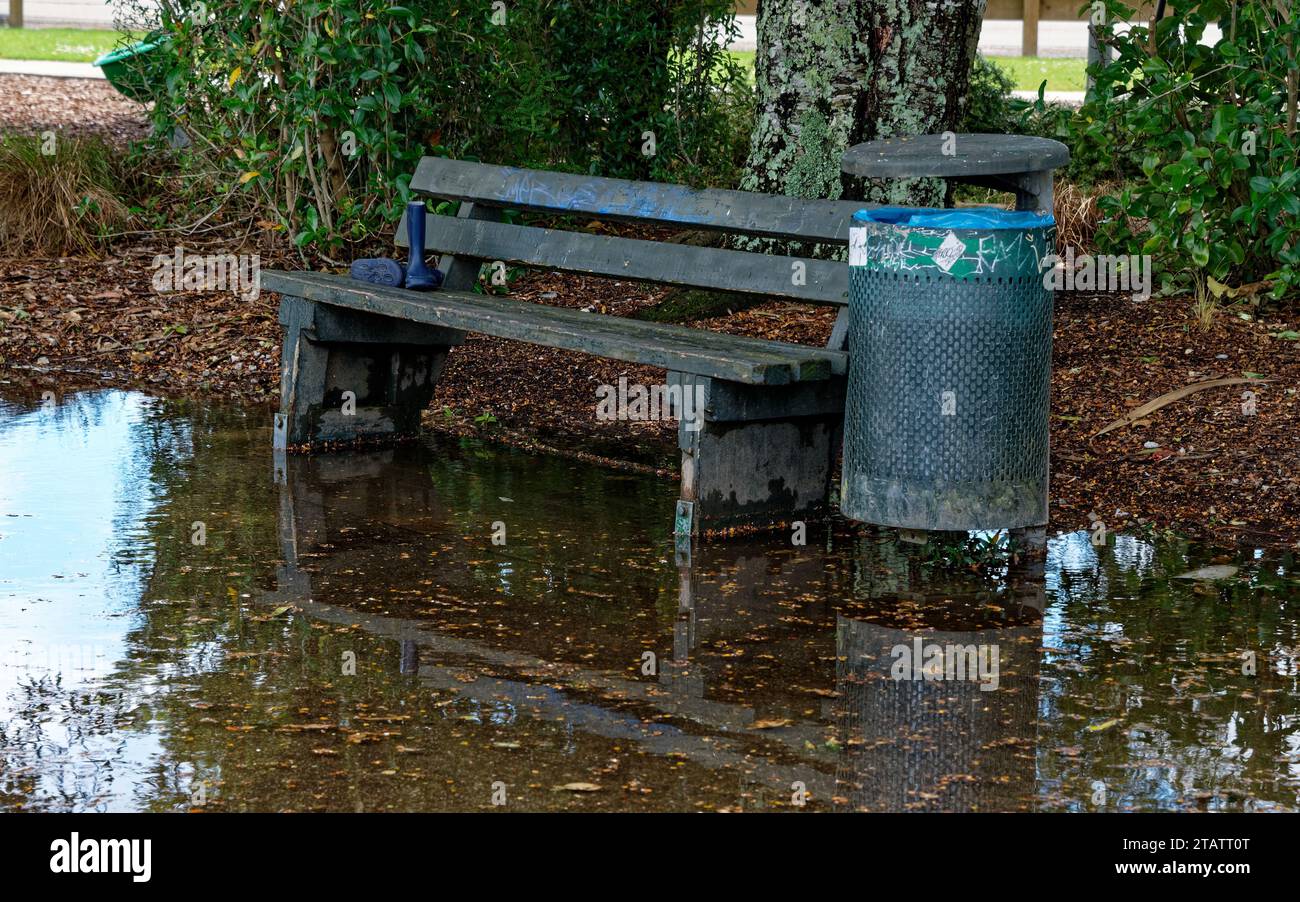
49	67
65	13
1000	37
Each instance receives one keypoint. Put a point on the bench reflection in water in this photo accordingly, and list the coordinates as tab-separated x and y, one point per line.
795	641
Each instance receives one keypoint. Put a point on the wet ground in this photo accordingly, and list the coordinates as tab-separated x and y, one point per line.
187	623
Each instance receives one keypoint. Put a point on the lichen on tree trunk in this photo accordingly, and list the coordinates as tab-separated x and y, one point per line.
834	73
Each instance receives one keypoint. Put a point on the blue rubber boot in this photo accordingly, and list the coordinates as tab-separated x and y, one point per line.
418	276
379	271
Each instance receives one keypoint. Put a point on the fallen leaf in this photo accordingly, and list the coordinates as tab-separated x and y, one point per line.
1214	571
578	787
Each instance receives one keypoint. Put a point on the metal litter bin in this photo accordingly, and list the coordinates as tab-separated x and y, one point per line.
950	341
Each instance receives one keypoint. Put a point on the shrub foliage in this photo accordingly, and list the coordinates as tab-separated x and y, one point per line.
317	112
1205	137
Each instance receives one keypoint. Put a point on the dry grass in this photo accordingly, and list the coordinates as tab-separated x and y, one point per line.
1075	209
1204	304
1077	216
63	202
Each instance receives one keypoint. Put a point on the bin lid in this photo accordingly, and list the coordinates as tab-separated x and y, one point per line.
982	218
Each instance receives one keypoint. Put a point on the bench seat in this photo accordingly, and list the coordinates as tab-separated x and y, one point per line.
732	358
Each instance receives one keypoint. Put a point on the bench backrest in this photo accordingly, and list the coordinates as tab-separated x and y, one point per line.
477	235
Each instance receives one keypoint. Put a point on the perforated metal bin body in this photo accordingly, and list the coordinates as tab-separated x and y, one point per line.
950	341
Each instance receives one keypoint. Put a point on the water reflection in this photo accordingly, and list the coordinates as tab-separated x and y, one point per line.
965	740
349	636
74	493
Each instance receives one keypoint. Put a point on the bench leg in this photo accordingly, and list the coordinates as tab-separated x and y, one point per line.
761	456
1031	540
346	375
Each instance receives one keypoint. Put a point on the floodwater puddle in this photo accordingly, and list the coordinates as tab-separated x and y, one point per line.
187	622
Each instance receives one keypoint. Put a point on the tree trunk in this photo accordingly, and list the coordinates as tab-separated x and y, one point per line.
833	73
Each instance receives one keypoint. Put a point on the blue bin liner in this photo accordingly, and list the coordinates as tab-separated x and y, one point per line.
982	218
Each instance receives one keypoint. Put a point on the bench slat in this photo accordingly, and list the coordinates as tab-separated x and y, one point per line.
703	353
539	191
824	281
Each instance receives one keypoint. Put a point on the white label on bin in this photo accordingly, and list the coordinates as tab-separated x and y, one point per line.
949	252
857	247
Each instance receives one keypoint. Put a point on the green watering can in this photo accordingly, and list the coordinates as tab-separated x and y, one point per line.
132	69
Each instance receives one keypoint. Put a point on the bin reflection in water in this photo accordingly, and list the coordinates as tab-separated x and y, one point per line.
944	744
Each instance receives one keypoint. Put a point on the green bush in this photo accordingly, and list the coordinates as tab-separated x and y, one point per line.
313	115
1206	137
990	108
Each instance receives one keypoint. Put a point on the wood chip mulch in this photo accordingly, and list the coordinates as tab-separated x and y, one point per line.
72	107
101	319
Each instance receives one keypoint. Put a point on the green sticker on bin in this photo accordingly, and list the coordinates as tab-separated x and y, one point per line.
957	253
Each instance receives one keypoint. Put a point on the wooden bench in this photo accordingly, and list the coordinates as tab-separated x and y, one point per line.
362	360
